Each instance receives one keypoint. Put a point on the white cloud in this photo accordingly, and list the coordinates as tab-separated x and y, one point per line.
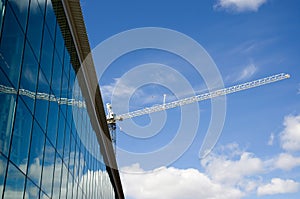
286	161
247	72
290	136
232	172
174	183
278	186
239	5
271	139
124	89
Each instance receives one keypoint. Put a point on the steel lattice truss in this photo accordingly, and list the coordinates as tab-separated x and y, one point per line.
205	96
43	96
157	108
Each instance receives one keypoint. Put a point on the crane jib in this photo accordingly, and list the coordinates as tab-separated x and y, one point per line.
205	96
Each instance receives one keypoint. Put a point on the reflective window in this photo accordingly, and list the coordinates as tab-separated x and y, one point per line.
42	4
11	47
36	154
21	136
32	191
64	93
70	185
29	77
7	113
67	62
60	135
47	55
41	104
76	162
57	76
2	10
57	176
59	44
64	181
21	10
48	167
3	163
15	180
37	133
52	127
44	195
67	145
72	154
35	26
50	19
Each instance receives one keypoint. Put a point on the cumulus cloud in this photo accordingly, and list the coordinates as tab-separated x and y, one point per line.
239	5
278	186
229	172
174	183
232	172
286	161
290	136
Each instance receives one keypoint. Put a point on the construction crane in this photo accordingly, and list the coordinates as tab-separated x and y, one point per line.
112	118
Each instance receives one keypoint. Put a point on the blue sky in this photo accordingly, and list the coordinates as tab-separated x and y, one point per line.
257	155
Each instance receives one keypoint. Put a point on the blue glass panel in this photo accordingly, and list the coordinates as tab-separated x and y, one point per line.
59	44
70	186
70	94
47	55
57	76
48	167
80	164
2	11
11	47
57	176
44	195
60	135
64	182
67	145
64	93
69	115
65	85
3	164
36	154
32	191
67	62
29	77
41	104
6	114
35	27
42	4
52	122
76	162
50	19
21	136
21	10
15	181
72	154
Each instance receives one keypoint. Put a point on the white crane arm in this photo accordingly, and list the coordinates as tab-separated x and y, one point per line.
205	96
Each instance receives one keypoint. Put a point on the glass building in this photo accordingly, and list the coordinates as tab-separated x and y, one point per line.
54	140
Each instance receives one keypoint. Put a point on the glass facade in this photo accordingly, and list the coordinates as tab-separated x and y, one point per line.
42	154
